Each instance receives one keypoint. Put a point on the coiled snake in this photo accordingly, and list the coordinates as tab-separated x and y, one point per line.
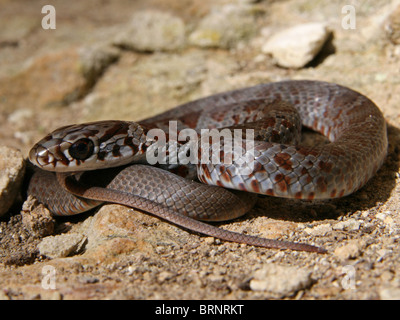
280	166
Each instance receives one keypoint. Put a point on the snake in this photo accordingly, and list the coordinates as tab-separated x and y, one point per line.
81	166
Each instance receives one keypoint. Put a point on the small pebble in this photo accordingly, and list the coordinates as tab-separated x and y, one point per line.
153	30
36	218
392	26
349	225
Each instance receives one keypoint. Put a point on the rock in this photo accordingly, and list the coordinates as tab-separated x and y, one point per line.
141	89
51	79
116	230
248	1
280	280
12	168
152	30
224	27
381	216
389	293
62	245
297	46
57	78
3	295
350	250
392	26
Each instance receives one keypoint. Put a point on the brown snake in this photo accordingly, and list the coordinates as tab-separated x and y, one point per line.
280	166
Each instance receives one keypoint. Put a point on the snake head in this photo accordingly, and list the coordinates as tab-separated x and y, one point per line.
90	146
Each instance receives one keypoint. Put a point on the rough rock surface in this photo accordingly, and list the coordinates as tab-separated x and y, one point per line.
62	245
51	78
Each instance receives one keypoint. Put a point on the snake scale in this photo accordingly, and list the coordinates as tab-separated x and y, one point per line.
104	161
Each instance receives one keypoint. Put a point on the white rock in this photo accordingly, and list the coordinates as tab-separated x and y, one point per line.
295	47
224	27
281	280
152	30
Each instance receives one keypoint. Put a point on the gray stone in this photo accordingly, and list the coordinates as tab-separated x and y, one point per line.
152	30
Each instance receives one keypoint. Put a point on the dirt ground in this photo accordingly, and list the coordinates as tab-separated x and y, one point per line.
81	72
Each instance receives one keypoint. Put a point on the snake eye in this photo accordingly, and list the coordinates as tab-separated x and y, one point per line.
81	149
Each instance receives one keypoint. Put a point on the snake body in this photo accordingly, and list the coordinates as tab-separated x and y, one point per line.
280	167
